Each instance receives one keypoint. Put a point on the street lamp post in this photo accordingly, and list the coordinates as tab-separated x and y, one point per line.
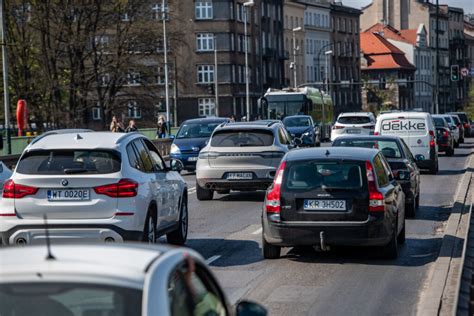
6	98
295	49
246	47
216	84
165	52
327	53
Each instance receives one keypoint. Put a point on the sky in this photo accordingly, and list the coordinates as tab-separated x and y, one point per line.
467	5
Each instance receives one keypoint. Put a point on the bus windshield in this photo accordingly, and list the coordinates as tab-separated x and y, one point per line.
281	106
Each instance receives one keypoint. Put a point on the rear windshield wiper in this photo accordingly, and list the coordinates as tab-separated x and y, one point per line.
249	145
77	170
326	188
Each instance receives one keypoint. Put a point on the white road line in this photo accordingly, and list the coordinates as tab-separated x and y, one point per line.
212	259
258	231
192	190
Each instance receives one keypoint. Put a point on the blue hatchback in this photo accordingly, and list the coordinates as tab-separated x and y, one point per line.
192	136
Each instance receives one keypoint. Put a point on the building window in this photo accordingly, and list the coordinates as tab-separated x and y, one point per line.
125	17
133	78
96	113
240	12
207	107
102	41
157	12
205	42
205	73
204	10
133	110
104	80
160	75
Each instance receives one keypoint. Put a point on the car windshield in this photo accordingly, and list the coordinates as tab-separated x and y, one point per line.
353	120
389	148
297	122
456	120
448	119
72	161
197	130
242	138
439	122
63	299
326	175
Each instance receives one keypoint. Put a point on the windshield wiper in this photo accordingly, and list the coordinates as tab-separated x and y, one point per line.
77	170
249	145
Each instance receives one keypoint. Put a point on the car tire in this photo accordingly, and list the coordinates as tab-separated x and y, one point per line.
149	233
390	251
204	194
402	235
456	144
410	209
179	236
270	251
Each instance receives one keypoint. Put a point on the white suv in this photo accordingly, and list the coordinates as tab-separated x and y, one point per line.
93	186
355	123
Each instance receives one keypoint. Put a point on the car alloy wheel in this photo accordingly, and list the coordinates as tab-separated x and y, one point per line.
180	234
149	231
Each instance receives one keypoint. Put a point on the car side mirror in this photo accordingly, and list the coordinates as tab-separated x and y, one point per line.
177	165
246	308
403	175
419	157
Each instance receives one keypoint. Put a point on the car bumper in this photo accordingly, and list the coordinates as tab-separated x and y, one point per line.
239	185
216	178
428	163
373	232
188	160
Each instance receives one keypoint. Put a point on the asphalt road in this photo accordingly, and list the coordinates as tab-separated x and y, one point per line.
227	232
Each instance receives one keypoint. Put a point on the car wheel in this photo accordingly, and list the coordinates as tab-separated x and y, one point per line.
456	144
417	201
149	231
270	251
402	236
410	209
390	251
203	194
178	237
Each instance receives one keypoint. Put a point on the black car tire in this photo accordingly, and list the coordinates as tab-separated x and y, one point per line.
147	234
270	251
402	235
417	201
461	140
410	209
179	236
434	168
204	194
390	251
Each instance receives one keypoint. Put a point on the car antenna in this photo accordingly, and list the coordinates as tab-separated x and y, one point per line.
48	242
327	153
78	137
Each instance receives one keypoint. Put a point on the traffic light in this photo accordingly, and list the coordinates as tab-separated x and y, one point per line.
454	73
210	89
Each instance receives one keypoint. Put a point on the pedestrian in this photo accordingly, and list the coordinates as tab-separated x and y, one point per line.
161	128
132	127
116	126
232	119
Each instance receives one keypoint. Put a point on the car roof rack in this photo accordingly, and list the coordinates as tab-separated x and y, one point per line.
60	131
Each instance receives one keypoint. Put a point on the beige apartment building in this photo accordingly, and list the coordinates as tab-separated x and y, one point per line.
294	42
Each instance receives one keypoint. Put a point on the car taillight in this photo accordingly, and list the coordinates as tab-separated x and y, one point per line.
432	139
337	127
376	133
272	204
466	125
12	190
376	199
122	189
446	134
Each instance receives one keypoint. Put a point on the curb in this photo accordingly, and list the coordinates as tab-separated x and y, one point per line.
443	287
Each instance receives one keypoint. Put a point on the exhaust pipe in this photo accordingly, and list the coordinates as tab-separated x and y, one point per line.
109	240
21	241
322	242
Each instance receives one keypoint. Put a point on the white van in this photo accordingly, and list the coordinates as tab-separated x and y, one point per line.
417	130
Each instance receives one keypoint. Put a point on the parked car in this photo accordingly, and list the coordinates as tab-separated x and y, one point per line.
454	129
241	156
192	136
360	123
303	130
93	186
465	122
444	139
459	125
400	159
119	280
333	196
419	133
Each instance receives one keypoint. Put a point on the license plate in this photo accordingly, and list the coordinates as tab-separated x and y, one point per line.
192	158
325	205
240	176
353	131
69	195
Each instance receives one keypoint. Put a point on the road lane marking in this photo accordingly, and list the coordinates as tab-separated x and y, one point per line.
192	190
258	231
212	259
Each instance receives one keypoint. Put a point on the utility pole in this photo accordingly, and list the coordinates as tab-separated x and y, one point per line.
437	60
216	83
6	97
246	47
165	46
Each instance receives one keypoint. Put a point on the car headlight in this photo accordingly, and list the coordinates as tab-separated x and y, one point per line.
175	149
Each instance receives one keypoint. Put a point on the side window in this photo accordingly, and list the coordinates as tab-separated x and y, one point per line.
408	151
144	156
282	137
191	292
155	156
380	172
133	158
386	166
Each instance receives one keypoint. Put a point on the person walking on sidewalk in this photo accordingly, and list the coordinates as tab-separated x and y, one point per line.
132	127
161	128
116	126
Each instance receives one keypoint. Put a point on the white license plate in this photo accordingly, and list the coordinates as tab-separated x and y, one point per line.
69	195
240	176
353	131
325	205
192	158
